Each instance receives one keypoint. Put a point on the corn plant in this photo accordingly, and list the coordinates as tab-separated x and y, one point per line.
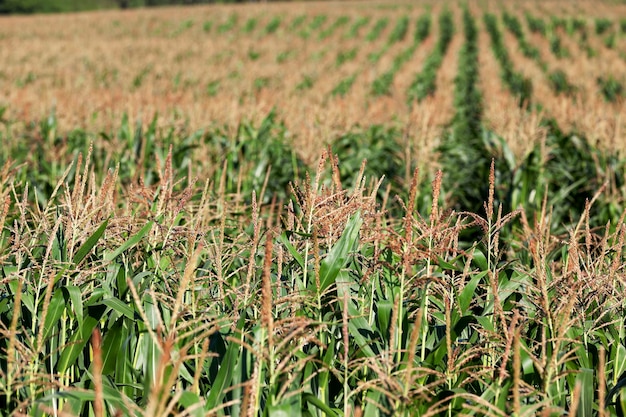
355	28
229	24
560	84
603	25
536	24
343	87
380	25
345	56
399	30
611	88
273	25
250	25
341	21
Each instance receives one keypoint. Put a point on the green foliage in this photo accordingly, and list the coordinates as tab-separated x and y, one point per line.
344	86
284	56
345	56
341	21
461	148
253	55
381	147
557	48
536	24
250	25
228	25
609	41
515	27
422	29
52	6
212	88
611	88
317	22
603	25
145	297
424	83
576	25
306	83
297	22
399	30
519	86
356	27
560	84
273	25
378	28
259	152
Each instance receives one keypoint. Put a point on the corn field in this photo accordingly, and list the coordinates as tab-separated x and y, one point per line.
314	209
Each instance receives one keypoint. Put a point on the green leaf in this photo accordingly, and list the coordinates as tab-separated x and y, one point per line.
54	313
120	307
188	400
371	409
585	379
226	370
75	296
316	402
337	257
467	295
292	250
383	316
79	339
287	408
480	260
112	347
130	242
86	247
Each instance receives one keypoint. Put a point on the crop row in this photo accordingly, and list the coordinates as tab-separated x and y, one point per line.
424	83
520	86
515	27
382	84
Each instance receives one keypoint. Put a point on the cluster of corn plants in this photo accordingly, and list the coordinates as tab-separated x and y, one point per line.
380	25
229	24
297	22
273	25
341	21
514	26
356	27
424	84
462	144
520	86
186	301
603	25
314	25
536	24
343	86
556	45
611	88
382	84
578	26
345	56
560	84
398	33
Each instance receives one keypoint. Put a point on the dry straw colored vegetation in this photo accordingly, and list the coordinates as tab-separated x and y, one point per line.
298	232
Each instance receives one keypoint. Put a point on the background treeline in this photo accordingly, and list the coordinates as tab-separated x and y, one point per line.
50	6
